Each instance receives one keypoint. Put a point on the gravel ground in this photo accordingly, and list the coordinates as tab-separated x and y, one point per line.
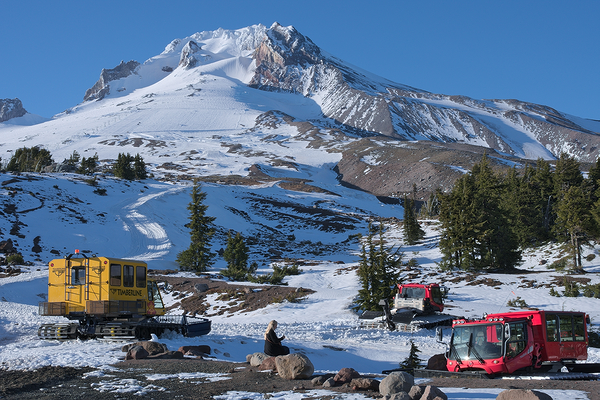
130	380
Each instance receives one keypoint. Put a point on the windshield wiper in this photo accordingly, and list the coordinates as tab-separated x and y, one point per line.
472	350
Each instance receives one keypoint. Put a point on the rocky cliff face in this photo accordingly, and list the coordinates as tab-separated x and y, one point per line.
101	88
11	108
371	106
188	55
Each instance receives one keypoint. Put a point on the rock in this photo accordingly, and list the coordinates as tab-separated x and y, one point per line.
432	392
151	347
136	353
522	394
268	364
6	246
187	59
101	88
294	366
200	287
437	362
200	350
257	358
345	375
11	108
364	384
329	382
396	382
320	380
416	392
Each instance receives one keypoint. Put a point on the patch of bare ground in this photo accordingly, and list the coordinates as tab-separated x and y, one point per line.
236	298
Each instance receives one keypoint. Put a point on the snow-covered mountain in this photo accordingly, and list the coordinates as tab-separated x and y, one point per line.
259	94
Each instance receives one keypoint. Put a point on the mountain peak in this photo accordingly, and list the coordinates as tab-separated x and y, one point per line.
11	108
101	88
188	60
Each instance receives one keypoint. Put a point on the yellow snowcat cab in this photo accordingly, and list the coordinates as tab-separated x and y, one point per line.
109	297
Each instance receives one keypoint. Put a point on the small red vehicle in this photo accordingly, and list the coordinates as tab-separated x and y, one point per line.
507	342
424	299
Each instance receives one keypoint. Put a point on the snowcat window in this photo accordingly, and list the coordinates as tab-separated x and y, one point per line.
140	277
78	276
552	327
115	274
436	295
579	328
485	341
128	275
518	339
566	328
413	293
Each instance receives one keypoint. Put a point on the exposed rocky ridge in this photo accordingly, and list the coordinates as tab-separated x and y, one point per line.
188	58
101	88
11	108
286	60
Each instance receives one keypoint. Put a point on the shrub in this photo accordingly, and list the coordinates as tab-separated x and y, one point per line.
571	288
15	259
518	302
554	292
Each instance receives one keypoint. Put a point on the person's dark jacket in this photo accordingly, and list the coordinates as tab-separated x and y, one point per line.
273	345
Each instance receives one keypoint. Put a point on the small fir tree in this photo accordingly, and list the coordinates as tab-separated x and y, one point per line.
236	255
412	229
412	361
378	271
198	257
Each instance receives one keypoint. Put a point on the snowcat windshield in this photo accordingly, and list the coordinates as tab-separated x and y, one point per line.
413	293
436	295
485	339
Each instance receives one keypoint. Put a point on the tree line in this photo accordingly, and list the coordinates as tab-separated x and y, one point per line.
489	217
37	159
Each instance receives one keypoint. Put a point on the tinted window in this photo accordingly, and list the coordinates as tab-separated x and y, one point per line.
78	276
552	327
128	275
115	275
140	277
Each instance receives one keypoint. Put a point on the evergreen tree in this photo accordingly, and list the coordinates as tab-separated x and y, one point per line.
236	255
542	180
412	229
574	222
378	271
566	173
476	232
198	257
88	165
139	168
412	361
26	159
122	168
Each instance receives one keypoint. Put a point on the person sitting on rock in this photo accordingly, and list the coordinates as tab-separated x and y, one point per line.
273	345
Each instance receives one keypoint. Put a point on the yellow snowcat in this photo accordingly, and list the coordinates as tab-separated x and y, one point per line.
109	298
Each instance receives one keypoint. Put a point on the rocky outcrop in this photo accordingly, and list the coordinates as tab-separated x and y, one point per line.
294	366
11	108
396	382
101	88
188	55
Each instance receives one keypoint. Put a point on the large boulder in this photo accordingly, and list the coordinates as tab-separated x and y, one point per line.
136	353
294	366
396	382
522	394
432	392
256	359
437	362
346	375
167	355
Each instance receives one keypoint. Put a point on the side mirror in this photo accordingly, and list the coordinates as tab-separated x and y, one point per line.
439	333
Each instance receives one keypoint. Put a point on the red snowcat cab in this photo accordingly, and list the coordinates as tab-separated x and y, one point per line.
507	342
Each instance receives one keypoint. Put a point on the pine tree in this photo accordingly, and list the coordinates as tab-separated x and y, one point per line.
412	229
574	222
88	165
139	167
198	257
412	361
378	271
29	159
236	255
122	168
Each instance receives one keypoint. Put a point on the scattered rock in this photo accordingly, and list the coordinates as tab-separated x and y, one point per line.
256	359
151	347
168	355
416	392
433	393
200	287
294	366
330	382
136	353
401	396
200	350
346	375
268	364
364	384
396	382
522	394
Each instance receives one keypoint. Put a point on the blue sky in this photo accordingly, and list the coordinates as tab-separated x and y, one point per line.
541	51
